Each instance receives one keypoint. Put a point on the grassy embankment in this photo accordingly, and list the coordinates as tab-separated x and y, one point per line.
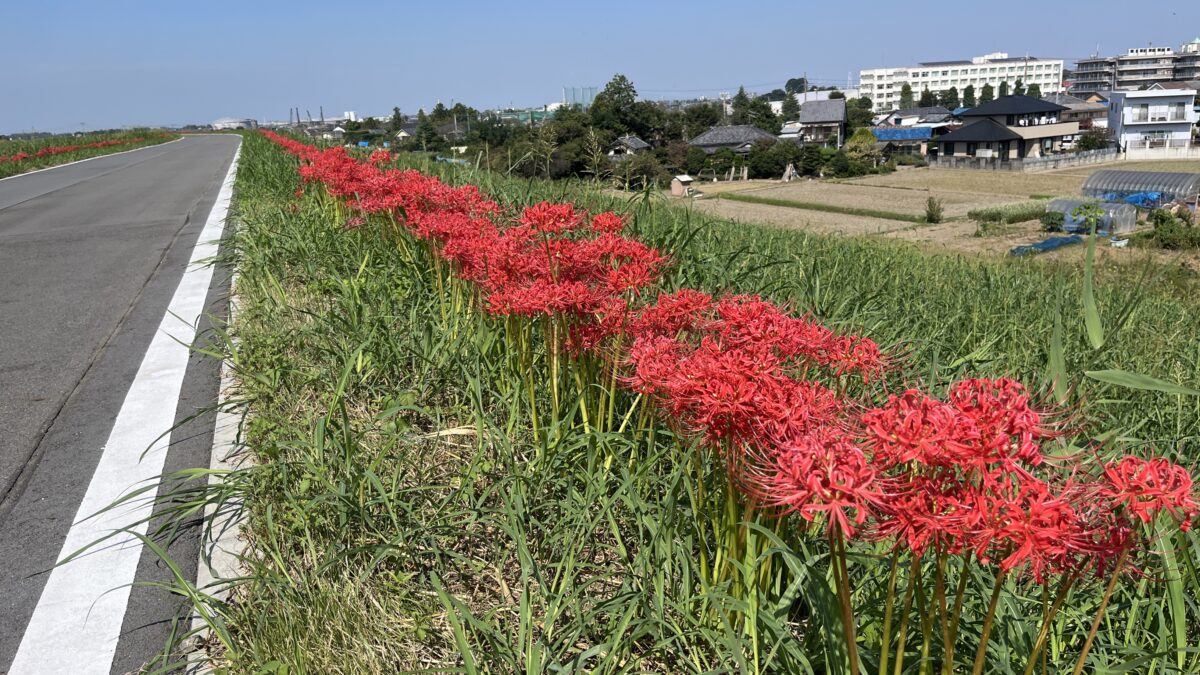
122	141
401	517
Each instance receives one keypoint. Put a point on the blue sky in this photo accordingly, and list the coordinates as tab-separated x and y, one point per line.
63	64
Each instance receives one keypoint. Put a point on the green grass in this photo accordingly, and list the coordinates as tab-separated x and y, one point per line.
816	206
12	147
1009	213
402	518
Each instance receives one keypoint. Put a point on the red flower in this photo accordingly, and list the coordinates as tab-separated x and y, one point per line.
1146	487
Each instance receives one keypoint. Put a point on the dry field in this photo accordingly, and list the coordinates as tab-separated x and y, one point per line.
1067	182
858	194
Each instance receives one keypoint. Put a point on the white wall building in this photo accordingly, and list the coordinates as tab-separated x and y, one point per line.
227	123
1153	118
816	95
883	85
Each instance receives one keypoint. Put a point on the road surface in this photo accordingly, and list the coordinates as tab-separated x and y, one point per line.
96	289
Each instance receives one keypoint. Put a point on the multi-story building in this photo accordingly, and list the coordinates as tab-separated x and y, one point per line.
883	85
1137	68
1009	128
1157	117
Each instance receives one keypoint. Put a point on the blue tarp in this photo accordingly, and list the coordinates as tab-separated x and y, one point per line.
364	144
1047	245
903	133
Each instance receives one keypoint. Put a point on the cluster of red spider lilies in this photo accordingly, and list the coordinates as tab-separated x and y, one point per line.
62	149
982	475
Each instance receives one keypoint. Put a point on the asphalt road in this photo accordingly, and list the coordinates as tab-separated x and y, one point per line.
91	254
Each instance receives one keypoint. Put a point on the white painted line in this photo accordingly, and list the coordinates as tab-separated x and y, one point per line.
77	622
81	161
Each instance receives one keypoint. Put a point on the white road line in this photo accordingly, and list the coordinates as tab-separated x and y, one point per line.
81	161
78	618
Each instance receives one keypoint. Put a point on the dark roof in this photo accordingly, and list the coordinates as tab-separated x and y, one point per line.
1073	102
1014	105
814	112
731	136
632	142
983	131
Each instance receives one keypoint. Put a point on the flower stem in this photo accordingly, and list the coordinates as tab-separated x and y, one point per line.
886	645
956	614
1108	591
981	651
837	548
914	580
1050	614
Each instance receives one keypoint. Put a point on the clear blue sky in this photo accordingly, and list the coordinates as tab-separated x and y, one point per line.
166	62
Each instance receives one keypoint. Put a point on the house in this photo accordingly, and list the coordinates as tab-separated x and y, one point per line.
739	137
907	117
911	140
1010	128
334	134
627	145
1088	114
821	121
1158	117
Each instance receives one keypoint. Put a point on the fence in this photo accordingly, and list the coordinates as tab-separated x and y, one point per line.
1029	164
1173	151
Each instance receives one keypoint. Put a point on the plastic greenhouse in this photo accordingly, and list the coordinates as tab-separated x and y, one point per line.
1147	189
1115	219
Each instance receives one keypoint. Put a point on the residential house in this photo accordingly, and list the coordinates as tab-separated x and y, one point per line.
911	140
1089	114
626	146
1010	128
1158	117
907	117
823	121
739	137
816	95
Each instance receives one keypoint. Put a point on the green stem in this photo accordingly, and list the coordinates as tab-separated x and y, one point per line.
1108	591
981	650
1050	614
914	580
885	651
837	547
956	614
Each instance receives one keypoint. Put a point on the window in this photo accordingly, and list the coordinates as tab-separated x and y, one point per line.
1141	113
1177	112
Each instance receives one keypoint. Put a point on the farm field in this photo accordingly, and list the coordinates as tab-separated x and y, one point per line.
453	473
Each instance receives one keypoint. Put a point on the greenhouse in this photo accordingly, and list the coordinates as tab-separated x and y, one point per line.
1115	218
1147	189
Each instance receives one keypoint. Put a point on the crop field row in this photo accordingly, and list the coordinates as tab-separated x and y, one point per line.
516	426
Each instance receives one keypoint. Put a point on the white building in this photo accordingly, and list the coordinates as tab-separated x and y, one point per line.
883	85
1157	117
815	95
226	123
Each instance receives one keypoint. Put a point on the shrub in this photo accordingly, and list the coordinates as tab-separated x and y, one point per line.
1053	221
1174	233
910	160
933	210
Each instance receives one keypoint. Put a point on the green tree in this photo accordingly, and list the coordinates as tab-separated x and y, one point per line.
949	98
695	160
796	85
427	135
740	107
1004	88
862	146
700	117
613	108
440	114
397	121
811	160
987	93
927	100
1019	88
598	164
859	113
1035	90
906	96
791	109
968	98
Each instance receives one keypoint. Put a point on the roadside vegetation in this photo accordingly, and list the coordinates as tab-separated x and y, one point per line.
22	155
437	488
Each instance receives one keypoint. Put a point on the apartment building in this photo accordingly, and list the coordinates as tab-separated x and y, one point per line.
1137	68
883	85
1157	117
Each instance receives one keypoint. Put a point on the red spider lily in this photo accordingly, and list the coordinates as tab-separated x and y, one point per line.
62	149
1009	429
550	218
380	157
1148	486
819	474
913	427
